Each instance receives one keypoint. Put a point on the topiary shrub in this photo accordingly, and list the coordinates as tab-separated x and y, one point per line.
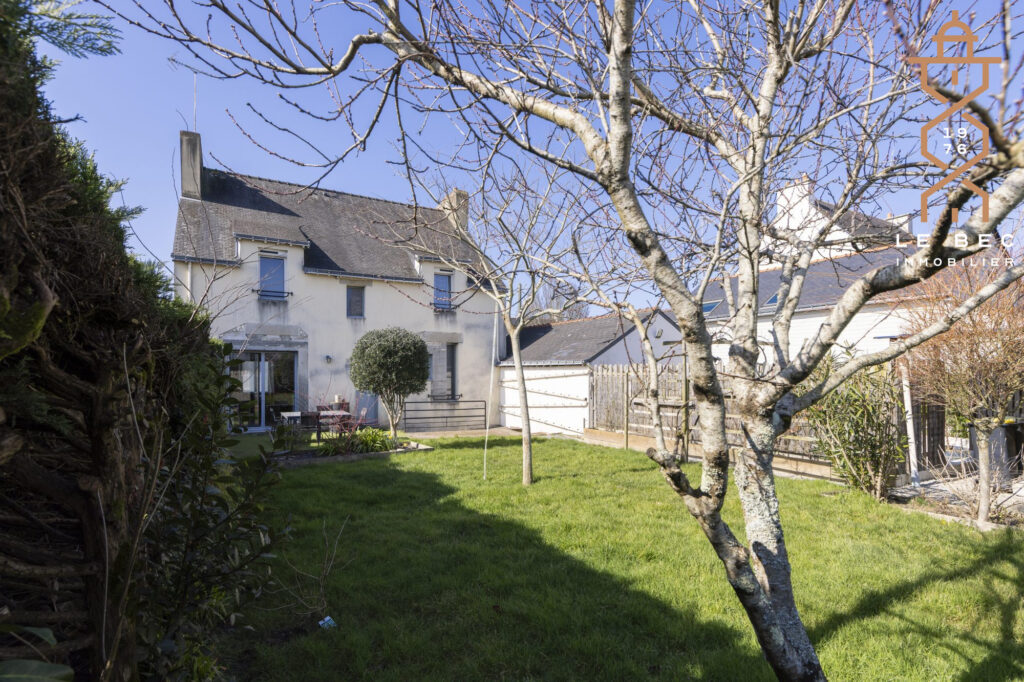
394	363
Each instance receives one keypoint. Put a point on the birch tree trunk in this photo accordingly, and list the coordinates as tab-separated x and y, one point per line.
759	573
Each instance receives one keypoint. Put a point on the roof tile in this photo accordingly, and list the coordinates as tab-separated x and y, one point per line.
345	233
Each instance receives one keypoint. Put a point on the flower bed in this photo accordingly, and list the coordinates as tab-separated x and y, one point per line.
302	458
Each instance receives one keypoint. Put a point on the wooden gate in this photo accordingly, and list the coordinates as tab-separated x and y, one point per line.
929	433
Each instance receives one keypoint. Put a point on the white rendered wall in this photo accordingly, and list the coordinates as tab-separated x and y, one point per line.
663	335
557	396
313	321
868	331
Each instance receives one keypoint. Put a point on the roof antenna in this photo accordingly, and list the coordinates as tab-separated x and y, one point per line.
195	97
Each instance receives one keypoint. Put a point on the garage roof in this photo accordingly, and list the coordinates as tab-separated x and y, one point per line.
574	342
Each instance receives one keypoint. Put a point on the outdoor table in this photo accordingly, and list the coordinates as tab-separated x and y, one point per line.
296	417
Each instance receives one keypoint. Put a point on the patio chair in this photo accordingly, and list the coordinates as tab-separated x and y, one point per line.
331	423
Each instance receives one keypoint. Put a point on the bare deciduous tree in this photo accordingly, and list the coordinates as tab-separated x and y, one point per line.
564	298
509	231
976	368
680	122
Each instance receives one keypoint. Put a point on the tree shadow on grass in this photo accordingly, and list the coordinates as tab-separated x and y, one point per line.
435	590
1006	659
1000	562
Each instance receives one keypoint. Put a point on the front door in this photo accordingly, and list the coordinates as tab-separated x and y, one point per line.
268	387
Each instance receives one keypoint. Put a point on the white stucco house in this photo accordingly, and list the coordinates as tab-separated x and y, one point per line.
293	277
558	359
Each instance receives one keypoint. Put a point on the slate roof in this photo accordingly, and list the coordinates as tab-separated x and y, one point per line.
573	342
869	228
344	234
825	282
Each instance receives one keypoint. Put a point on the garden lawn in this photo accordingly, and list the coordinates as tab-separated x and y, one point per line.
598	572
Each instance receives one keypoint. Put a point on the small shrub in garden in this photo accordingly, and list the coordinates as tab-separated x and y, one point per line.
338	445
374	440
858	428
285	437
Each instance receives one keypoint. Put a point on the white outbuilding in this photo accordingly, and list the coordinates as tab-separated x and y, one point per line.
558	359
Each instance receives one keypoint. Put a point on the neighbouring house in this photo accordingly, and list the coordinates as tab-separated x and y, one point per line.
294	276
558	360
824	282
856	244
801	213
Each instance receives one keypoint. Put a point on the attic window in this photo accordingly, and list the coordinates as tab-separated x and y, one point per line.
473	279
774	300
708	307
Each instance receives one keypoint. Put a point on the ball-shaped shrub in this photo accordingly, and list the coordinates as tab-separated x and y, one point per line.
394	363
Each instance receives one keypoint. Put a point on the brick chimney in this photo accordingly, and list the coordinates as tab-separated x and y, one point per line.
191	165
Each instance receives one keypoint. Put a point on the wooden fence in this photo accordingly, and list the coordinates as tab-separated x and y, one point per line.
617	399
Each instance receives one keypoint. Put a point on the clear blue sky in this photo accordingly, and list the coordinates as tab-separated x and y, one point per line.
132	106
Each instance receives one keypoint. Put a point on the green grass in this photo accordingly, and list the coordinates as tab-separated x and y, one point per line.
598	572
249	444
